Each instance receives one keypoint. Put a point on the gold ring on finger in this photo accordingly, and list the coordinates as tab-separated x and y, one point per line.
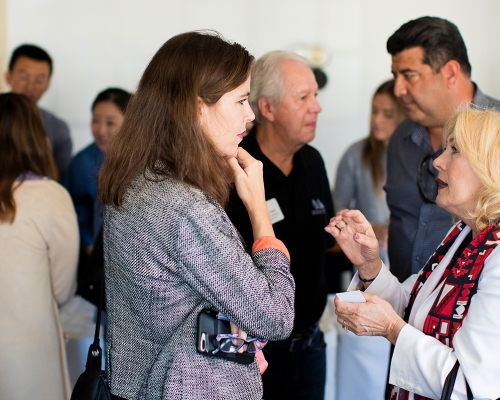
341	227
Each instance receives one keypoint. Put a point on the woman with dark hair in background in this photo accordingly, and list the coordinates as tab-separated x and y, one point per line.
38	256
360	179
108	111
170	249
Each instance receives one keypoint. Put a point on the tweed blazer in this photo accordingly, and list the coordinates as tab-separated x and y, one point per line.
170	252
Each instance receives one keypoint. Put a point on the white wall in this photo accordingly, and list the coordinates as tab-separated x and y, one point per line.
102	43
3	42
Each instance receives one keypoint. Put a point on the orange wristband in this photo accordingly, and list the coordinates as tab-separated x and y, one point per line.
270	242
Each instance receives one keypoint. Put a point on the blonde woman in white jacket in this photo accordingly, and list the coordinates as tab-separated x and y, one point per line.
447	314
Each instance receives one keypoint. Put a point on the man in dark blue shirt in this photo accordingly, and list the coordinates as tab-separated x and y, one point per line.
432	72
283	98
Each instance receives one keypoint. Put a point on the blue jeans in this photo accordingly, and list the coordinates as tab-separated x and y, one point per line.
296	375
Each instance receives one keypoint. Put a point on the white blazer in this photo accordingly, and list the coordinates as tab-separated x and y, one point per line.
420	363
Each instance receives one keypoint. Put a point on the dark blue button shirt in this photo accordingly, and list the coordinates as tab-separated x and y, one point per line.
58	133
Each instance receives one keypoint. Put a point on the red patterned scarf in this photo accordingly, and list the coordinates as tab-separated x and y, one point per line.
460	284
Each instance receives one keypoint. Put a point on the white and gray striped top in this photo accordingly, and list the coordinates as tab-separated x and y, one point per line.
170	252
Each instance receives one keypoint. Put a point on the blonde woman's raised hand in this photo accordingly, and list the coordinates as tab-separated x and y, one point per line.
356	237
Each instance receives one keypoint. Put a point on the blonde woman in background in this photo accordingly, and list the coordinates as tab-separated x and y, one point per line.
360	180
362	170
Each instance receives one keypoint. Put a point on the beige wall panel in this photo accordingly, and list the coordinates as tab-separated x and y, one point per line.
3	43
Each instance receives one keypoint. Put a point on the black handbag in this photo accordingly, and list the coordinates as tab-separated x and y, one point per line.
93	382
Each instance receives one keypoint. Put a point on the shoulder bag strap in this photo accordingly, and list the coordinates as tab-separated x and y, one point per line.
95	345
449	384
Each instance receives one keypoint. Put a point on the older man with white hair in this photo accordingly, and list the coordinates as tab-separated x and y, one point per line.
283	97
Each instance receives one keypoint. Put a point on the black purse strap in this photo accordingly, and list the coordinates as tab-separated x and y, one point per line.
96	349
449	384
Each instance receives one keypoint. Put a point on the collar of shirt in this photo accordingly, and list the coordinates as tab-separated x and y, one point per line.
252	146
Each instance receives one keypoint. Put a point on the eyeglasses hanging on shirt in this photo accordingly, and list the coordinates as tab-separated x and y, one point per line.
426	178
231	343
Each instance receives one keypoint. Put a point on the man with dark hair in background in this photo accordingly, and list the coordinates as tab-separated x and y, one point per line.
432	72
283	98
30	69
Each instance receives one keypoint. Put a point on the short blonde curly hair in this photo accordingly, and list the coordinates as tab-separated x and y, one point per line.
477	137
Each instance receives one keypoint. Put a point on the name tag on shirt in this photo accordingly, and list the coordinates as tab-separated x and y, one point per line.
275	210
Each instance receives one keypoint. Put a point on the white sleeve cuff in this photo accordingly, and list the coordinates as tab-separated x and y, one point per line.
386	286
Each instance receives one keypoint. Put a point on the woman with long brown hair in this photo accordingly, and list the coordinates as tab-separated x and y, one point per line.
170	249
38	256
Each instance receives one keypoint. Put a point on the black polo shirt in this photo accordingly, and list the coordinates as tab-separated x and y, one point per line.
305	199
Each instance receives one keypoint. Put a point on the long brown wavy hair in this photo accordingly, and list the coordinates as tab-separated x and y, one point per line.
24	147
374	150
161	132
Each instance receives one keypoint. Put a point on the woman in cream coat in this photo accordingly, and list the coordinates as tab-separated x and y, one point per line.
38	257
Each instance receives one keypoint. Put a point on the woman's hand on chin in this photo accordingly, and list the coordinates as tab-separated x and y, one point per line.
248	177
249	182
